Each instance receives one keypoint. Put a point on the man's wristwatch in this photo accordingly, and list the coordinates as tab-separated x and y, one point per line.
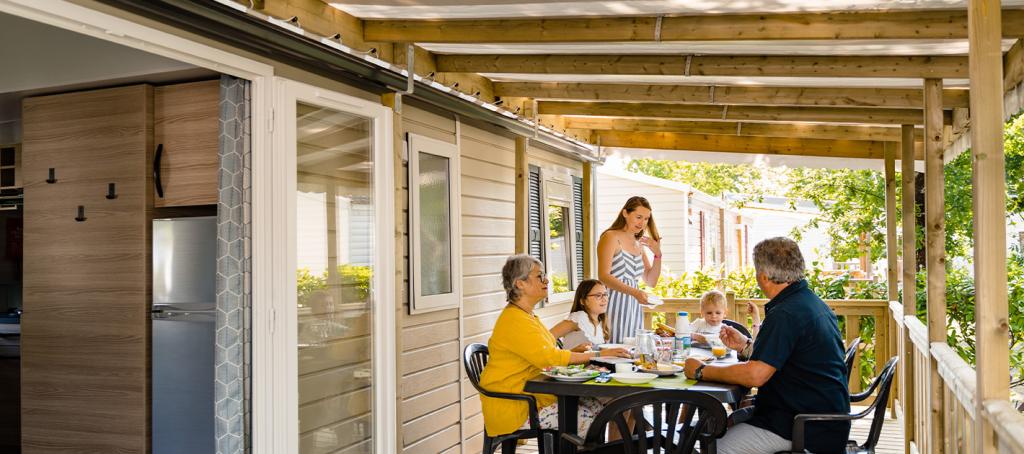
699	373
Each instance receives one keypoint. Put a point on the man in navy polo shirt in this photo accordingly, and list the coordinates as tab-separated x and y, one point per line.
796	362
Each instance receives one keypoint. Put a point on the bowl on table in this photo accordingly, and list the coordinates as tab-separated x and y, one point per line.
633	378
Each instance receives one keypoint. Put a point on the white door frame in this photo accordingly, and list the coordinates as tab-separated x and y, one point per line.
272	285
285	375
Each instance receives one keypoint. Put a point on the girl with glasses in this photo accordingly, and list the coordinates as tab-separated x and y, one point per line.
587	324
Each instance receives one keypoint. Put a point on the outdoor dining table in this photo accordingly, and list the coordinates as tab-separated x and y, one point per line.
569	393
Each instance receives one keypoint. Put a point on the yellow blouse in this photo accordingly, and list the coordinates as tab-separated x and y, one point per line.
520	347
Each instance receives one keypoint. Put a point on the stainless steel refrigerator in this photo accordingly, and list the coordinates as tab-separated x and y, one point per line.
183	313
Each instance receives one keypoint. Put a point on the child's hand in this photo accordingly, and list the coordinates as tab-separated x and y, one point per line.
753	311
619	352
698	338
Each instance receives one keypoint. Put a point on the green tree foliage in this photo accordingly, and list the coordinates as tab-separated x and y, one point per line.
852	204
712	178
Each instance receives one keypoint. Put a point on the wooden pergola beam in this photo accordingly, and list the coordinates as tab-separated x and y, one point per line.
854	115
735	128
710	94
710	65
951	24
865	149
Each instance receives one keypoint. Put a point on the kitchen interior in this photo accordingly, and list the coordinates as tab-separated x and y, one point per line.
108	240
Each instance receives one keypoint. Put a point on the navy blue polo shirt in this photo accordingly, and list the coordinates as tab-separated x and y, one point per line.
800	339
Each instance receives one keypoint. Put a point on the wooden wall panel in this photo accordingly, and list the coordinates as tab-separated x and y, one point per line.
432	376
85	331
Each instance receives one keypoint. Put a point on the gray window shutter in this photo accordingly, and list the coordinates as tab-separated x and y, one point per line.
577	204
536	240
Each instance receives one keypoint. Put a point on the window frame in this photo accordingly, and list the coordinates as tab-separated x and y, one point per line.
551	195
419	303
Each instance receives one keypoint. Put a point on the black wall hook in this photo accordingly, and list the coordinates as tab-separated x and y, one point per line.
111	191
81	214
53	176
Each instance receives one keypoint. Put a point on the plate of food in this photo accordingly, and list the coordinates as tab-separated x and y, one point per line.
574	373
633	378
664	369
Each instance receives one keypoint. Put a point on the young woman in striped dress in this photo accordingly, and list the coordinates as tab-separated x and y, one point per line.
622	262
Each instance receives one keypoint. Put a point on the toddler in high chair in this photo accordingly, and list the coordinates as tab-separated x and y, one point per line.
713	309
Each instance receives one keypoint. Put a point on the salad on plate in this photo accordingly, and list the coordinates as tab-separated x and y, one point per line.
576	372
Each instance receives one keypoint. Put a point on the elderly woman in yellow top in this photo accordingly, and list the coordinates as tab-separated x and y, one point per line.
520	347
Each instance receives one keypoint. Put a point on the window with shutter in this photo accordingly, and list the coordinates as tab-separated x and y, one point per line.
578	228
536	240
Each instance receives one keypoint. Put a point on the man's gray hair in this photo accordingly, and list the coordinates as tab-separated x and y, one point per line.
779	260
517	268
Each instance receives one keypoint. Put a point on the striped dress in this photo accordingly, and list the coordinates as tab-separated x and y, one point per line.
625	315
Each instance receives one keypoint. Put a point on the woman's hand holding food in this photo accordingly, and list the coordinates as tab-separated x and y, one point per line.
651	244
640	295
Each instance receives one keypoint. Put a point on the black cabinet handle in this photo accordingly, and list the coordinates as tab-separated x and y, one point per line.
52	176
111	191
156	171
81	214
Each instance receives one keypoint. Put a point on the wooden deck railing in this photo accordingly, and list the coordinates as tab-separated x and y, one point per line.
953	430
853	312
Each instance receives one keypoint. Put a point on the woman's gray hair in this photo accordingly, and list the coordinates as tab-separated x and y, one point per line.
517	268
779	260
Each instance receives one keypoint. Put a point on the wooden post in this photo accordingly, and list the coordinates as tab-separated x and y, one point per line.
989	185
853	332
909	280
522	196
401	291
935	246
891	247
589	220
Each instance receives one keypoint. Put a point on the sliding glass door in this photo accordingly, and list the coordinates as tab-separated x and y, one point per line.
341	231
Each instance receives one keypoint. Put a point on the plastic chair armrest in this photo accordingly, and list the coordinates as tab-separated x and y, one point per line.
799	421
574	439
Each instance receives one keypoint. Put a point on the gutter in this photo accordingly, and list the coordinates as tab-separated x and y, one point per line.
279	40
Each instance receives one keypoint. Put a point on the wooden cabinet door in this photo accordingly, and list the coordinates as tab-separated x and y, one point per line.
85	330
187	122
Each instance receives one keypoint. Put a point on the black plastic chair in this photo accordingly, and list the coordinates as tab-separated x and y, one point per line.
739	327
665	432
884	384
851	353
474	358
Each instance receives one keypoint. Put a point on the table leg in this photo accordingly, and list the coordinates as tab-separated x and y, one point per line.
567	418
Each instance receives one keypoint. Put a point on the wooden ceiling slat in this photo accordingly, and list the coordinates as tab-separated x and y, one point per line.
709	65
707	94
802	130
864	149
869	25
854	115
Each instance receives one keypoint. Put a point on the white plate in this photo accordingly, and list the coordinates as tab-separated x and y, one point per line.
571	379
675	370
633	378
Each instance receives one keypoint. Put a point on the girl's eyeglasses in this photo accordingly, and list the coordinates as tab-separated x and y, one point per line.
600	296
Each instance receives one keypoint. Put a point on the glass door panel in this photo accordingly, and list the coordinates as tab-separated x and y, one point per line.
334	250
